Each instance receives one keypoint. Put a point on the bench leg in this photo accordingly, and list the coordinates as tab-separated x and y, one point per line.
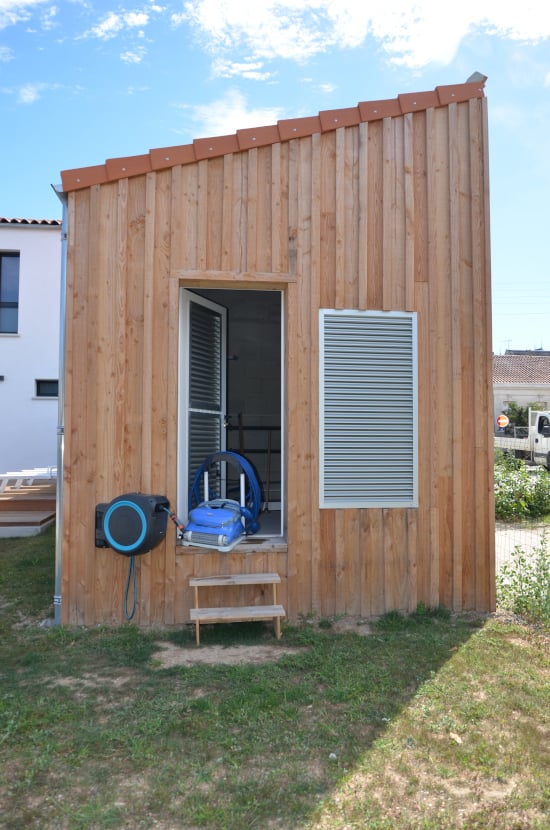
197	623
277	619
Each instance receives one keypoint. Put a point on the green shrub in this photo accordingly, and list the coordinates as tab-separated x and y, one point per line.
506	460
520	493
523	585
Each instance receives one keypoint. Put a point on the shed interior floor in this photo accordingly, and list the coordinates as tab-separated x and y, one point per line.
270	523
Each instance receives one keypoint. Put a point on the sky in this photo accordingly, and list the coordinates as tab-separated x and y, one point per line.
84	81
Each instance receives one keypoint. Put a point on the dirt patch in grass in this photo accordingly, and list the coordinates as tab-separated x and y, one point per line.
91	682
170	655
354	625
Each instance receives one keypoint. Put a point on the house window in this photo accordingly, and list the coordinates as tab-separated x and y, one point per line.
368	409
47	388
9	293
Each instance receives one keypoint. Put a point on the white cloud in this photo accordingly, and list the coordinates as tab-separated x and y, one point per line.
244	69
49	17
113	23
244	34
15	11
108	28
30	93
133	55
135	19
137	90
326	88
229	114
411	34
6	54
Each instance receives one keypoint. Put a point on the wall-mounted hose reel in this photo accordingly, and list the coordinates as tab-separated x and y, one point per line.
131	524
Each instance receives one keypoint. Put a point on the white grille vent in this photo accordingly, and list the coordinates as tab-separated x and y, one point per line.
368	402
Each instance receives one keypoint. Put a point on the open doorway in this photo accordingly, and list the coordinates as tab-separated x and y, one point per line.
240	399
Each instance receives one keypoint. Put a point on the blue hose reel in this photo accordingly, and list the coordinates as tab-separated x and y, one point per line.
131	524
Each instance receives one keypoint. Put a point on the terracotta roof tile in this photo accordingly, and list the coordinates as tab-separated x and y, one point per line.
528	368
284	130
217	146
258	137
375	110
122	168
81	177
456	93
413	102
333	119
290	128
170	156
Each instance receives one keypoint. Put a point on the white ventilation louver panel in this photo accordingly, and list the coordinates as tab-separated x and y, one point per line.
368	402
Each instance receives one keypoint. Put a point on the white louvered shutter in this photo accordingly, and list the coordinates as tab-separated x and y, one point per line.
368	409
203	362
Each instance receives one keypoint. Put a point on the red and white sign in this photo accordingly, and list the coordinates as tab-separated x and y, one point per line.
503	421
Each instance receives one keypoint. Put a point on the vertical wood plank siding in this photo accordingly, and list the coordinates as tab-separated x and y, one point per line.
389	215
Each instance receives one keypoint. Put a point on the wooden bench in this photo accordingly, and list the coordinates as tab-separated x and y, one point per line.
241	613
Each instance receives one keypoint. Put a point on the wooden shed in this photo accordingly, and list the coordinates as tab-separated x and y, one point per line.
344	261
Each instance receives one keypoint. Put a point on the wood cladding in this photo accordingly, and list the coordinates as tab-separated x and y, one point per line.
391	215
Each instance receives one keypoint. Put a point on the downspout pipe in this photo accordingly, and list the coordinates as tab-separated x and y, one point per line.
61	413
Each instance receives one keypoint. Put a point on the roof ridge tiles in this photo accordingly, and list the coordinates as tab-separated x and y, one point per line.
4	220
284	130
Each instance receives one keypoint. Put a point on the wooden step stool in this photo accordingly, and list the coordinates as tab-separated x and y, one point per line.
240	613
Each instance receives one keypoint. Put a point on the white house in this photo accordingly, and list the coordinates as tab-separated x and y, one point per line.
30	276
522	377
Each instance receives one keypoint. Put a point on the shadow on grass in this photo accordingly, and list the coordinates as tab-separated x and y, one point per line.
93	734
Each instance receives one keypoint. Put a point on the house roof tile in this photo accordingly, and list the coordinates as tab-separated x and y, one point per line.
284	130
522	368
6	221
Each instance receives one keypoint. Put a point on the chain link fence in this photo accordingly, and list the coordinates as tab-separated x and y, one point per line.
527	535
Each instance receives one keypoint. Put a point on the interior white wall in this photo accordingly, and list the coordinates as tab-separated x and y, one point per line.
28	425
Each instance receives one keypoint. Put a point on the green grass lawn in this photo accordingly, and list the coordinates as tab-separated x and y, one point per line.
432	721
